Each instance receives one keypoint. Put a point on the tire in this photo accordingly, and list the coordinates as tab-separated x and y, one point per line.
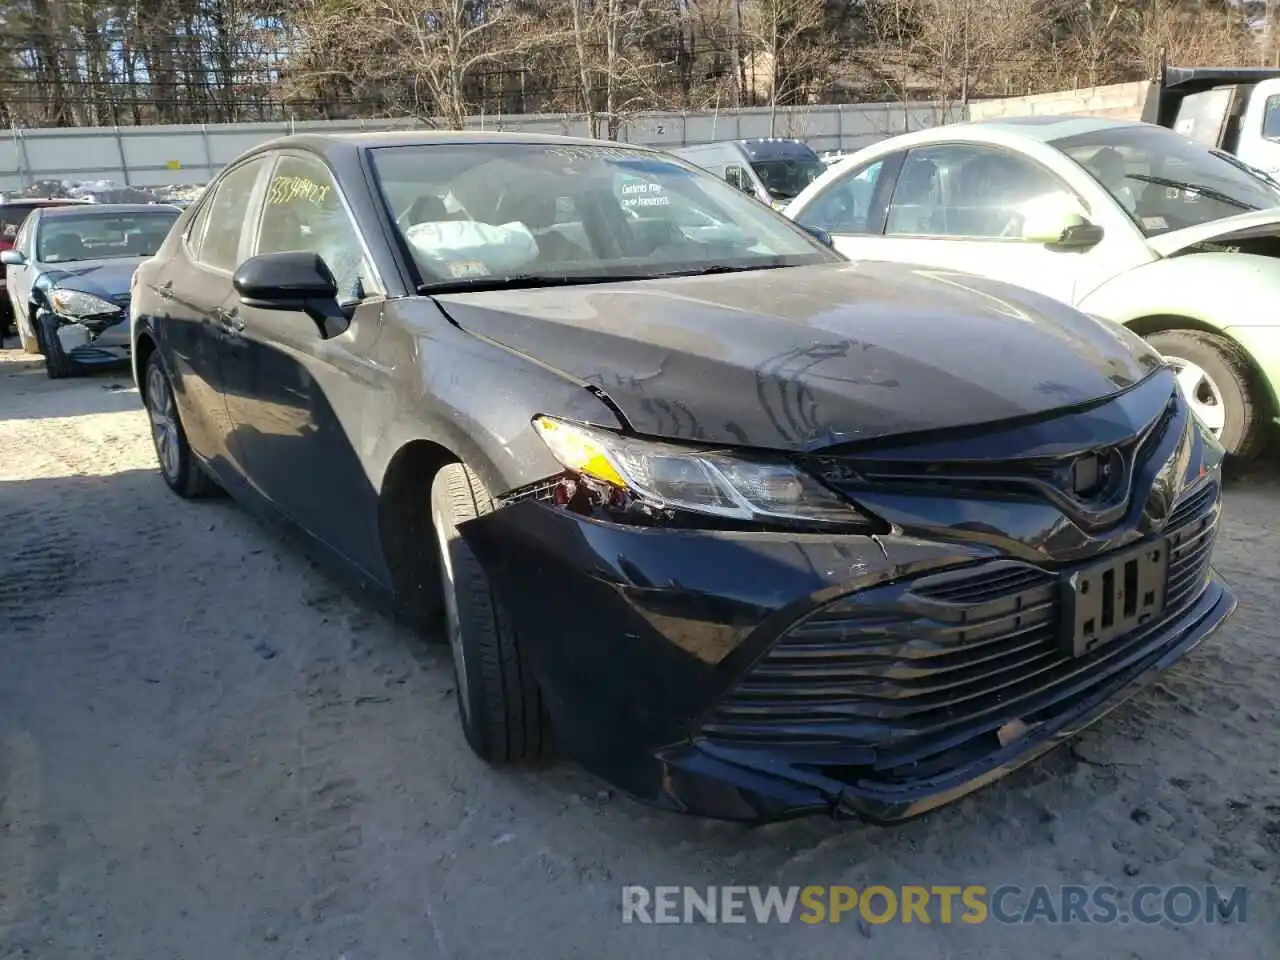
500	705
56	362
181	471
1244	402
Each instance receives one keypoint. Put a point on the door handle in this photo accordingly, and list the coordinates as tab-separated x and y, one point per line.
232	321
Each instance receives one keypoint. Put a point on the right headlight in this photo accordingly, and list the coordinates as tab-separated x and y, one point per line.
719	483
77	303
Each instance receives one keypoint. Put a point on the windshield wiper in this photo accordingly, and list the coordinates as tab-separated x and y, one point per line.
530	281
519	281
1203	191
719	268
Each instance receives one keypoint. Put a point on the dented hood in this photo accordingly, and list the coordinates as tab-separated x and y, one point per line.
805	357
108	279
1245	226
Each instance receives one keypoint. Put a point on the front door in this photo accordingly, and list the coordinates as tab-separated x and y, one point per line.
299	421
18	276
961	206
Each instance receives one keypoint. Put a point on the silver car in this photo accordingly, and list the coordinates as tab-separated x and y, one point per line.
69	274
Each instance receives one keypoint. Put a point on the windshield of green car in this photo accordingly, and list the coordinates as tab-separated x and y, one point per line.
542	212
785	178
103	236
1165	181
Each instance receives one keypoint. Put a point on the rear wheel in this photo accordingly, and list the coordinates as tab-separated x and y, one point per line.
178	465
500	704
1220	387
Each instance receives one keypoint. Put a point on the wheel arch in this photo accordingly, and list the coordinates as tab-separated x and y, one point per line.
143	347
405	527
1148	324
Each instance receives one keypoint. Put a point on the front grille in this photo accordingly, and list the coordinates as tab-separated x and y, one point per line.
913	669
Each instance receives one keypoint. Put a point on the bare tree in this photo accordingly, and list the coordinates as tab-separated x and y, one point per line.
435	50
791	46
610	61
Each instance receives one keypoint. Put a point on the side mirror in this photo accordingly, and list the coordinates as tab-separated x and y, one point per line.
1063	229
297	281
12	258
818	234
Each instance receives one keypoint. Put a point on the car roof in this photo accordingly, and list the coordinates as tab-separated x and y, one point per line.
1046	128
338	143
104	209
1012	132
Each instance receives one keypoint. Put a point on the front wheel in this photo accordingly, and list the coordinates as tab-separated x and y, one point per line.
499	702
178	465
1220	387
56	362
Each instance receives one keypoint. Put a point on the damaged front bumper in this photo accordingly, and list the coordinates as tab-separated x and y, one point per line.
91	341
755	676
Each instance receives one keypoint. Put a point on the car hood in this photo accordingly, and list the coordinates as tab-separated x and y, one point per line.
108	279
806	357
1244	226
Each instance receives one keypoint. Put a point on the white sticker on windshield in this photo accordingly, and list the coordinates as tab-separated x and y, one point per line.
462	269
1154	223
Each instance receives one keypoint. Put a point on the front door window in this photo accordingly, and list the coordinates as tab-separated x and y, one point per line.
303	212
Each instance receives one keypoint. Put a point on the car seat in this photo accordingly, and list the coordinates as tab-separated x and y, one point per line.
428	208
63	246
914	209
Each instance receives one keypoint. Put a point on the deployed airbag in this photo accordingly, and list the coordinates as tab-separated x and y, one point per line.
465	248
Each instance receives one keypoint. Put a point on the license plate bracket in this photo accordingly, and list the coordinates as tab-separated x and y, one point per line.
1104	601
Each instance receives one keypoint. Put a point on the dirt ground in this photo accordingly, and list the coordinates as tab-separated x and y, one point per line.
208	749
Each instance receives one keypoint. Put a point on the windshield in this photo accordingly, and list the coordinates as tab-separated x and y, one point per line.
543	213
1165	181
103	236
785	178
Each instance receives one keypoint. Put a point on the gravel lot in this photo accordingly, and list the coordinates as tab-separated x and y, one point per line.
210	749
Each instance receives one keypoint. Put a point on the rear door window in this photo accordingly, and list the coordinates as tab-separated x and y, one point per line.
225	215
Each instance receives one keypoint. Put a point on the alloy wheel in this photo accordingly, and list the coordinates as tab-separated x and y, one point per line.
1203	394
164	422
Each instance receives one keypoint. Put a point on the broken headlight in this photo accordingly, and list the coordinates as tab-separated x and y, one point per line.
738	486
77	303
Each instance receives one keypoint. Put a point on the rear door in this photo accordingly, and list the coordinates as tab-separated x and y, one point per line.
191	294
296	400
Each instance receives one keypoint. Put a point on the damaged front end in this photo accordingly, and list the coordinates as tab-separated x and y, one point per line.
867	631
89	328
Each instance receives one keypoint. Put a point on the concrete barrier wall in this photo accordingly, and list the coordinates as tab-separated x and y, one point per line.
192	154
1123	101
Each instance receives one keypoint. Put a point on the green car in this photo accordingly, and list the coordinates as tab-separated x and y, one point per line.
1128	221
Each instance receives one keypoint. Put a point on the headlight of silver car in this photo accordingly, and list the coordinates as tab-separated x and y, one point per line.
77	303
721	483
